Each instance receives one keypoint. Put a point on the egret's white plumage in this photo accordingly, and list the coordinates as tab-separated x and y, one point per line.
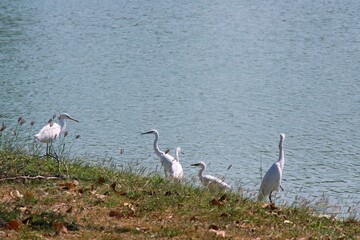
171	166
272	180
176	168
52	130
177	151
210	181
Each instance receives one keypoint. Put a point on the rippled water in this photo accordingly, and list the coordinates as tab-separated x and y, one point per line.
221	79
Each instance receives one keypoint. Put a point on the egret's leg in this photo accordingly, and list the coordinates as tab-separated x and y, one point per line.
282	189
58	166
59	163
270	197
47	149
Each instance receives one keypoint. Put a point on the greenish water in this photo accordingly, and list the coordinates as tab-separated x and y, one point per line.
219	79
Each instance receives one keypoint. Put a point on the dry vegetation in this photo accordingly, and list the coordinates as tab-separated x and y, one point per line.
101	202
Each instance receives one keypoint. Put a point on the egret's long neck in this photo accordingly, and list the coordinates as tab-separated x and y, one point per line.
201	171
177	155
156	146
62	124
281	154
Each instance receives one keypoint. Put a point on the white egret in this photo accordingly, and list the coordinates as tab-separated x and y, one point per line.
52	130
210	181
177	151
176	168
171	166
272	180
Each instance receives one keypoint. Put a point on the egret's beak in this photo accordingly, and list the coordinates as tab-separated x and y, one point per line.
195	164
73	119
147	132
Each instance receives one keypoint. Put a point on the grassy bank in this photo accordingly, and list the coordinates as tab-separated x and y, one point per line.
99	202
103	202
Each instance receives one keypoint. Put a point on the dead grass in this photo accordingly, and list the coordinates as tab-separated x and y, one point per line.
103	203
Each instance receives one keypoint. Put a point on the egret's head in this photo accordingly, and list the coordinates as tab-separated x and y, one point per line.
179	150
152	131
282	137
199	164
66	116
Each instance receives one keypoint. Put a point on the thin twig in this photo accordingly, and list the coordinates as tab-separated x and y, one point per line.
29	178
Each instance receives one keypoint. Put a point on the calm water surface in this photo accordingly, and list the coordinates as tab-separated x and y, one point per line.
221	79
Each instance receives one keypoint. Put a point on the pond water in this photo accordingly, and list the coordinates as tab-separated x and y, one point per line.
220	79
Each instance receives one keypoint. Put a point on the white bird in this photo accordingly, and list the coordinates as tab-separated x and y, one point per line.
176	168
171	166
272	180
52	130
210	181
177	151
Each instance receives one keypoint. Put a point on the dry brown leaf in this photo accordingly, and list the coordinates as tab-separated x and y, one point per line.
115	214
130	206
13	225
75	182
216	202
64	230
16	194
101	180
113	187
100	196
218	233
223	198
68	185
225	215
24	210
121	193
169	193
29	196
193	219
212	226
69	210
270	206
60	228
219	202
58	207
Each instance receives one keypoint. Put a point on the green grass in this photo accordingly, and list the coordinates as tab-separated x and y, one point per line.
103	202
